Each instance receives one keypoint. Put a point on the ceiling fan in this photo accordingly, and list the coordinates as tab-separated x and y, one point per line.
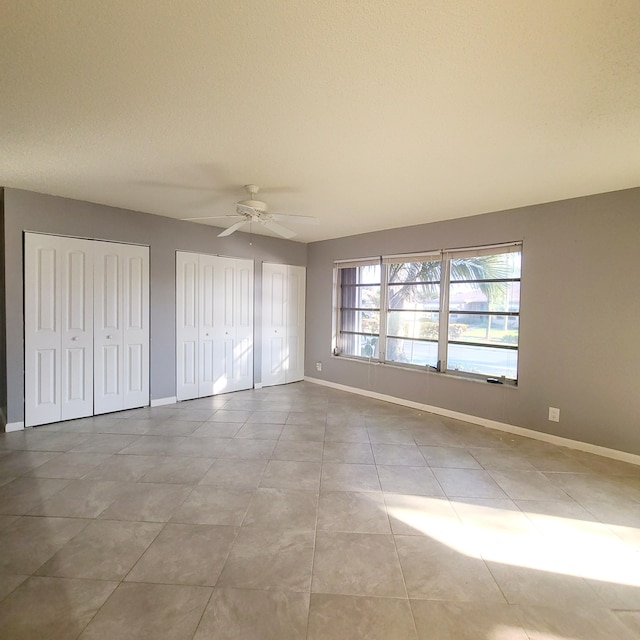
253	210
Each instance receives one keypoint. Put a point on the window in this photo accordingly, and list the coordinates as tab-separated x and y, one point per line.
360	309
456	311
484	312
413	310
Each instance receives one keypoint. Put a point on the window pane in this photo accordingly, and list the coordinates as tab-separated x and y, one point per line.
360	321
484	329
412	352
413	324
483	360
369	274
501	265
485	296
360	346
361	297
414	296
415	271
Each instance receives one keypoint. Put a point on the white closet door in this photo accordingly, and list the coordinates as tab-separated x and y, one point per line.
296	287
108	334
43	330
275	356
233	325
214	322
243	321
77	329
187	295
208	374
135	310
58	329
283	304
121	329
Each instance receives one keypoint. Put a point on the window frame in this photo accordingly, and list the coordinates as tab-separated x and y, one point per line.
445	257
339	332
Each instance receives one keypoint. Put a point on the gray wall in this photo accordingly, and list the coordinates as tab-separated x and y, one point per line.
580	318
48	214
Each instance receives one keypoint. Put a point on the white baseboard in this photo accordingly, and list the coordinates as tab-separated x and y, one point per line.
159	402
9	426
257	385
13	426
623	456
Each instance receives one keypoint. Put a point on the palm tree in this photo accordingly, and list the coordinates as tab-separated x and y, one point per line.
420	282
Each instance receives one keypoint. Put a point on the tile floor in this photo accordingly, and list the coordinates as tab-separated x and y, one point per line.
300	512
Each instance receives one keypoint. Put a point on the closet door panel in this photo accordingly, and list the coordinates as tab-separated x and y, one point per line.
135	311
108	334
77	328
58	329
283	304
223	329
296	290
218	293
243	323
206	333
274	327
187	325
43	329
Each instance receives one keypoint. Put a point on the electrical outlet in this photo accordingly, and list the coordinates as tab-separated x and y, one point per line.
318	366
554	414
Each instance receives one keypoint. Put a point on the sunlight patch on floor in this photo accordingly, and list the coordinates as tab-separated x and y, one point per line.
568	546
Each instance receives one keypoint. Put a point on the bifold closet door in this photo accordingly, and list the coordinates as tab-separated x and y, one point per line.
214	325
233	325
283	305
187	325
121	326
86	327
58	306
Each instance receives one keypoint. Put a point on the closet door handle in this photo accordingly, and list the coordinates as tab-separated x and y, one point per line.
109	337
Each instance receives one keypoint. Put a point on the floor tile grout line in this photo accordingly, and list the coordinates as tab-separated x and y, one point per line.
315	540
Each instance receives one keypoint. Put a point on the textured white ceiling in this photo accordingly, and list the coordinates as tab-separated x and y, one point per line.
367	114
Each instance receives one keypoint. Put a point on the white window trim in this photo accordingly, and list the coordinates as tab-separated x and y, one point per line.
444	256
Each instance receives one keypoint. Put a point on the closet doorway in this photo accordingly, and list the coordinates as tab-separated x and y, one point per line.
86	305
214	325
283	304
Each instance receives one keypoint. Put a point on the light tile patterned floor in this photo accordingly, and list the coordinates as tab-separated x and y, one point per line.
304	513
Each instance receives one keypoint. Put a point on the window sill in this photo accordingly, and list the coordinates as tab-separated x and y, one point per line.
423	370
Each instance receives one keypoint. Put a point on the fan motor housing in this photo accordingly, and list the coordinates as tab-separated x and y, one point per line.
258	205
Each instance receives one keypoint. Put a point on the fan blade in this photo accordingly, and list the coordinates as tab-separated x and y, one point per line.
279	229
297	219
232	228
229	215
